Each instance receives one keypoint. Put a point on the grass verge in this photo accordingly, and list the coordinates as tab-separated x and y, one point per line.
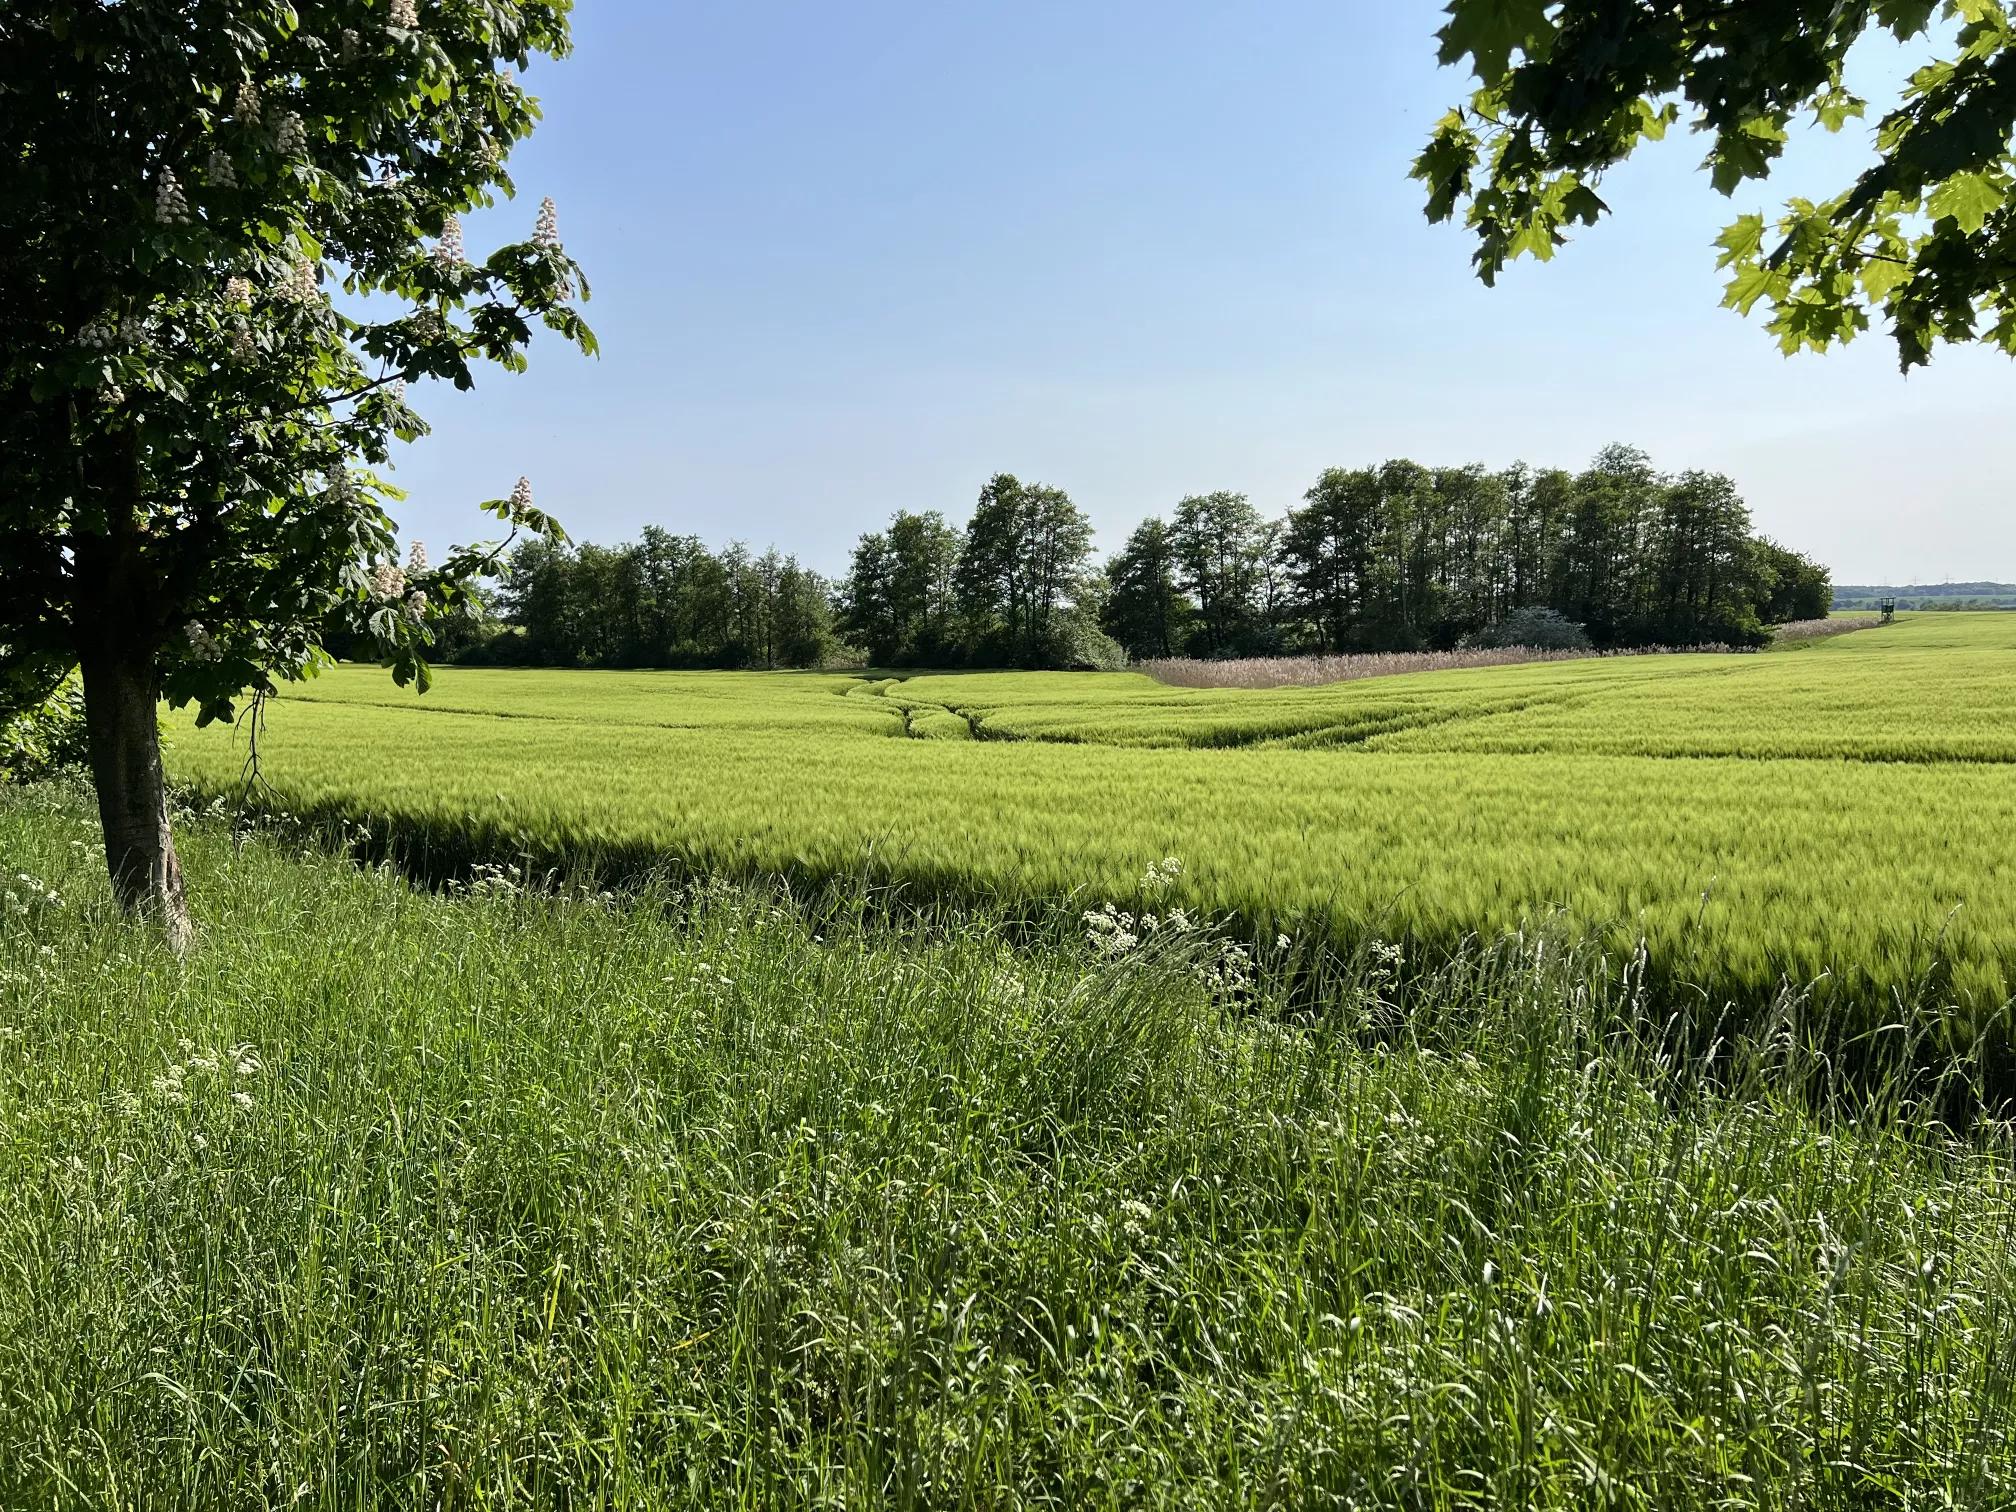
388	1198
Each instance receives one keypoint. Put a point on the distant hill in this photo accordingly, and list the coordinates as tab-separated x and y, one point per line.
1927	595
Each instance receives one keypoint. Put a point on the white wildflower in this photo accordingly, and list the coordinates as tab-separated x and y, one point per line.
171	207
416	606
546	230
290	136
221	174
245	1061
521	494
448	251
404	13
1282	942
416	559
242	1099
247	107
202	642
387	581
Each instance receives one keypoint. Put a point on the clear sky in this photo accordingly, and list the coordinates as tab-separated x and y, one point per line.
853	258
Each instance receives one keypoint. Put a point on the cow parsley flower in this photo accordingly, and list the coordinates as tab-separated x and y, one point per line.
546	230
171	207
247	106
220	172
404	13
448	251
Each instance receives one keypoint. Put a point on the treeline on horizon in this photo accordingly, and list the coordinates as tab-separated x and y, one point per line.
1387	558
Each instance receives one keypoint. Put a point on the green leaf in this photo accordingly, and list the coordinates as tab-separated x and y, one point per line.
1968	198
1489	31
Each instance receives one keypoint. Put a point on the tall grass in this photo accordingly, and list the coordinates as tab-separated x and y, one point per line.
706	1198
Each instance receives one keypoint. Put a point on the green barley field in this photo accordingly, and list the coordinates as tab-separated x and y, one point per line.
1832	820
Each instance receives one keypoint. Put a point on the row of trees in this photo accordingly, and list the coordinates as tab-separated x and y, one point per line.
662	601
1401	556
1395	557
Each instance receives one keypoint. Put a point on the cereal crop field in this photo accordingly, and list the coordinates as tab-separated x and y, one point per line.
1834	816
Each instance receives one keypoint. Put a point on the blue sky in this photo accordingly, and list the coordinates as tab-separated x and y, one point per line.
851	259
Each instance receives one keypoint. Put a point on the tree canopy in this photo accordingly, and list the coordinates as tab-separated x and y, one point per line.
1924	240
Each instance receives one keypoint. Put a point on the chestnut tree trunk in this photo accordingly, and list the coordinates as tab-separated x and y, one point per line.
120	699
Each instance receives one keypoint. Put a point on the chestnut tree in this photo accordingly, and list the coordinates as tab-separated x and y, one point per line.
229	241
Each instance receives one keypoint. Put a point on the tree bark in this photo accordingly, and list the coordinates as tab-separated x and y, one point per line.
120	700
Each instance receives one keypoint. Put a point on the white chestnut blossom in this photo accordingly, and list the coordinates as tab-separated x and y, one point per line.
404	13
221	174
290	136
243	348
416	559
247	107
546	230
202	642
521	494
113	395
238	289
351	45
448	251
99	336
171	207
416	606
387	581
300	283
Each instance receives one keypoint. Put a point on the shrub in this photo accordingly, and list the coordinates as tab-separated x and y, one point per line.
1543	629
47	739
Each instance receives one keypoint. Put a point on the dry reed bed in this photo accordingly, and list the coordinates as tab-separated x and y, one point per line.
1315	671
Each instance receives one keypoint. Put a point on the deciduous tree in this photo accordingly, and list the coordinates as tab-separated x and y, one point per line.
1924	240
187	423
